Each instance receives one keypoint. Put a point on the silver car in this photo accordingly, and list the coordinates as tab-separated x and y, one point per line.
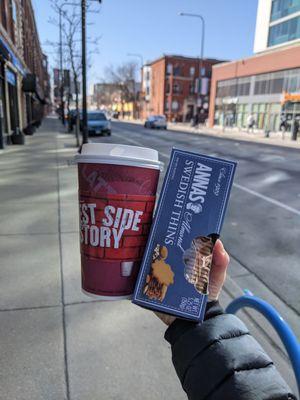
156	122
98	124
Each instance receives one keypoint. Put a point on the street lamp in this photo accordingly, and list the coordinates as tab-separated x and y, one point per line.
183	14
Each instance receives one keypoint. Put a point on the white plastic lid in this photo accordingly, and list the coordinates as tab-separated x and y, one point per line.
120	154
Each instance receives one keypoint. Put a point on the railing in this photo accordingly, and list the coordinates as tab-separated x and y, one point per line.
282	328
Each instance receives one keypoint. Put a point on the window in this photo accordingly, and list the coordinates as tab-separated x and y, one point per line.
169	69
243	89
276	85
14	11
177	70
166	106
192	71
175	105
234	87
204	86
177	88
202	71
3	13
261	87
168	88
282	8
191	88
284	32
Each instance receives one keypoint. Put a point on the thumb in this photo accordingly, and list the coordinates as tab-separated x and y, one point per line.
218	271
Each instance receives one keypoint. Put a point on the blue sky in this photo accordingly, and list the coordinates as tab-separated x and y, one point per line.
153	27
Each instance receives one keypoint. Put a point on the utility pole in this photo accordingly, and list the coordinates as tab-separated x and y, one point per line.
61	75
85	133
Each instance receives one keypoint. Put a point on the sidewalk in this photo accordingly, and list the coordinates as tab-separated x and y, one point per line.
56	342
233	134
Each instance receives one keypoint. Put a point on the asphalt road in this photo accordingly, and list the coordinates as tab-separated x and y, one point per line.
262	226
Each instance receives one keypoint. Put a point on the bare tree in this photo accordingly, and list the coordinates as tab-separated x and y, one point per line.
124	78
71	28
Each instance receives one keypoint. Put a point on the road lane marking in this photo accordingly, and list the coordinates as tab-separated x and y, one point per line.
236	185
140	144
268	199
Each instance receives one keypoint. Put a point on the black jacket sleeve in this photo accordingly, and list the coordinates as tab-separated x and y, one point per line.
220	360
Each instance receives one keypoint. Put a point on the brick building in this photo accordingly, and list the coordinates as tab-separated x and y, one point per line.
258	86
175	88
265	86
24	79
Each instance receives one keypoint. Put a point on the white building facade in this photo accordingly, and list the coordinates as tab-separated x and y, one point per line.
277	24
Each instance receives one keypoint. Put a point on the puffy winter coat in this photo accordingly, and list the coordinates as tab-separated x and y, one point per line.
220	360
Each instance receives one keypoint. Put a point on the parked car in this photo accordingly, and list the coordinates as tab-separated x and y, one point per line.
156	122
98	124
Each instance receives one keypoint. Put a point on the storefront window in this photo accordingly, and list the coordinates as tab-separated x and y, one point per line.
12	99
242	114
262	107
267	115
274	116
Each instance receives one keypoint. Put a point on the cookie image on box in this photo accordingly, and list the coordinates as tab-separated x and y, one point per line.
197	259
161	275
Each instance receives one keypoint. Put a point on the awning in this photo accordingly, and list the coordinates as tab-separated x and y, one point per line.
30	85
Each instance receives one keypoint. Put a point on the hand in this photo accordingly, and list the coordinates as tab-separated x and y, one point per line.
217	278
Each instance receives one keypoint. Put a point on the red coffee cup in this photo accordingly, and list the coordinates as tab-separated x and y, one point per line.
117	191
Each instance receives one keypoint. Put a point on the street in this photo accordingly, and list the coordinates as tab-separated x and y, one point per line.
90	237
75	347
262	227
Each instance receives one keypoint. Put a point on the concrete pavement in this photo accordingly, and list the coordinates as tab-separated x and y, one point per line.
58	343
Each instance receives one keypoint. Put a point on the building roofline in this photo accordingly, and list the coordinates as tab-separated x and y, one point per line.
261	54
183	58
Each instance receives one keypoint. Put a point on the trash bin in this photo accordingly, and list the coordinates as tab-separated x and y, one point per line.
17	137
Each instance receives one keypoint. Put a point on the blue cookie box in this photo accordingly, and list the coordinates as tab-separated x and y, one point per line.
182	200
